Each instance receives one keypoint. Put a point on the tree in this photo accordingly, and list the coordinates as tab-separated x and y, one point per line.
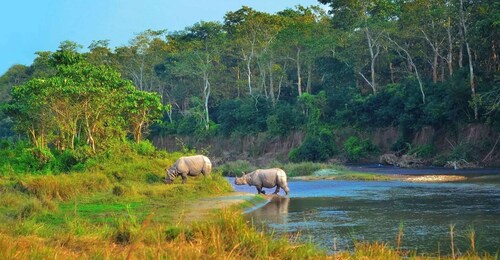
370	17
80	96
142	108
137	62
201	56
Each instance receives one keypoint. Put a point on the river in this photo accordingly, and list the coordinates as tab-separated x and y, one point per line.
328	212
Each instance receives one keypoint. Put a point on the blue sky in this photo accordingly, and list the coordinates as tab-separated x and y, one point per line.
28	26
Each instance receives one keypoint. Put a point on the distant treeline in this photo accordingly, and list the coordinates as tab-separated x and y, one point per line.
362	64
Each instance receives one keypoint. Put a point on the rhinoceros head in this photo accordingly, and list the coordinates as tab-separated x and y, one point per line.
170	177
241	180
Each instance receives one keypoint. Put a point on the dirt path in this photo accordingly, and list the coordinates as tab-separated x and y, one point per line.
198	210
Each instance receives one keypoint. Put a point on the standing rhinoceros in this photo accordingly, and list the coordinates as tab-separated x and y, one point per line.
265	178
188	165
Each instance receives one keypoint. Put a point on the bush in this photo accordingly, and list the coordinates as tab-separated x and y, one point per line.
315	148
424	151
355	148
303	168
39	160
144	147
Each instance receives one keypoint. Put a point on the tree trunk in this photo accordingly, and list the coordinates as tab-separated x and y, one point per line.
435	65
373	56
206	92
391	69
33	136
299	78
271	83
309	78
410	62
450	48
469	55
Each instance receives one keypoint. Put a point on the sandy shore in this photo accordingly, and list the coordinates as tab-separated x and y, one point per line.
434	178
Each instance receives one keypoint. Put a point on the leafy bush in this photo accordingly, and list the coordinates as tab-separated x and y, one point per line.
355	148
314	148
424	151
144	147
303	168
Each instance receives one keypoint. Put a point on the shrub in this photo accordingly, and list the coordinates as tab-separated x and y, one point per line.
424	151
153	178
314	148
144	148
355	148
66	161
303	168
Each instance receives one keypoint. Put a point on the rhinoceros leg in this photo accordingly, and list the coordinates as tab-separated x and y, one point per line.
259	190
184	177
286	189
277	189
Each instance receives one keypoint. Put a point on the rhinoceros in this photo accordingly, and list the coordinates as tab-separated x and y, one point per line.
188	165
265	178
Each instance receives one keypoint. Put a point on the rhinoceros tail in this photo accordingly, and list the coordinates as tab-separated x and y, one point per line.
281	176
207	167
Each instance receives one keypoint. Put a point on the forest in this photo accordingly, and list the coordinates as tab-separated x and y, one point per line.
335	74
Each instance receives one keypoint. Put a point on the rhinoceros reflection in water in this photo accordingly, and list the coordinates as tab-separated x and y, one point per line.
265	178
276	211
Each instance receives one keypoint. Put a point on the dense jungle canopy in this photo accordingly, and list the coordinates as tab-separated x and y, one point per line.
364	64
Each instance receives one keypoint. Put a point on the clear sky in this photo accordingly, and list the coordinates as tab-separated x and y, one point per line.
28	26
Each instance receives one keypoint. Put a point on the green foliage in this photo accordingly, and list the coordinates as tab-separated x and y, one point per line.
423	151
94	99
243	116
284	120
317	146
145	148
356	148
303	168
235	168
260	72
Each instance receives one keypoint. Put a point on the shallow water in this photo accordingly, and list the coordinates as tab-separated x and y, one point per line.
344	211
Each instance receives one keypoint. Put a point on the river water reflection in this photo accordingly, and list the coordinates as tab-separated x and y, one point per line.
345	211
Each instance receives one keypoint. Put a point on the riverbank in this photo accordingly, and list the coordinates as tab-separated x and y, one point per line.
378	177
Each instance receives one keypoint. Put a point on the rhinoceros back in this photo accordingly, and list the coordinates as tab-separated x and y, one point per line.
194	165
269	178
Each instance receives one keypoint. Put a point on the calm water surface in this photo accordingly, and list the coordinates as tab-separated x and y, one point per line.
344	211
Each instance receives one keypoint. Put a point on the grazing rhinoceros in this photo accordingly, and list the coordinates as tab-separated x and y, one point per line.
188	165
265	178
